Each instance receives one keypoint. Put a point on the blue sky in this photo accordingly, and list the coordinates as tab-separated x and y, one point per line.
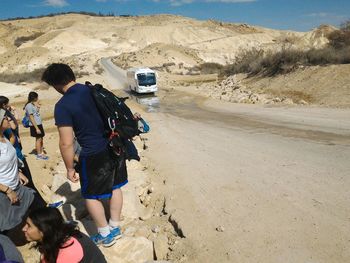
299	15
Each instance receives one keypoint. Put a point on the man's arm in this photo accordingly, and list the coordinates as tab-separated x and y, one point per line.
66	142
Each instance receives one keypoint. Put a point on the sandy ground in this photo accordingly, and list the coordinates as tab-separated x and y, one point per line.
242	183
249	183
219	182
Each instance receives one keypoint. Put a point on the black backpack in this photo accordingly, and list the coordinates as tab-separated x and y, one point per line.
120	124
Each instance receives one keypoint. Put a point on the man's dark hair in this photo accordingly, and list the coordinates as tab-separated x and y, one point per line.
58	74
3	101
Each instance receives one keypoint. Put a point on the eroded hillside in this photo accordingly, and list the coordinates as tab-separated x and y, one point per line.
32	43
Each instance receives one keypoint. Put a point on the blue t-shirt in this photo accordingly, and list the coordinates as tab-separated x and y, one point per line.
77	109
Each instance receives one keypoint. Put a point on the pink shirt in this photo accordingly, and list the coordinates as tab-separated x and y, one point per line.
71	253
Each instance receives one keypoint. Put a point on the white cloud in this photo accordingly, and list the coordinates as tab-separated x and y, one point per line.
324	16
231	1
102	1
180	2
315	19
321	14
184	2
55	3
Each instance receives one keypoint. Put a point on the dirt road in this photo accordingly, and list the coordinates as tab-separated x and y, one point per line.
250	183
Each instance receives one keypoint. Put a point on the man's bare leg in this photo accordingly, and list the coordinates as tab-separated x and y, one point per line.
116	205
97	212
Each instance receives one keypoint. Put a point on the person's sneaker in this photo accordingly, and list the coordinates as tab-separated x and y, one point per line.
107	241
115	232
56	204
42	157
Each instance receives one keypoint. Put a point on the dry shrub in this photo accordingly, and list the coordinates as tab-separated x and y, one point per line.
99	70
281	62
339	39
345	26
329	55
169	64
31	76
80	74
210	68
20	40
272	63
249	61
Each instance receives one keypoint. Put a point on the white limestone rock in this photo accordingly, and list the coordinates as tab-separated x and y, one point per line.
130	250
161	247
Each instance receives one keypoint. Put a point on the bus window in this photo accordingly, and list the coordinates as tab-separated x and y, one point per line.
146	79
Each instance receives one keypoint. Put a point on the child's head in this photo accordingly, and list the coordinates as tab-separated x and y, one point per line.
32	96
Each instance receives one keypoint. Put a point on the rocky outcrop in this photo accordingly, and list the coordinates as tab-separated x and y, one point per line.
143	240
232	89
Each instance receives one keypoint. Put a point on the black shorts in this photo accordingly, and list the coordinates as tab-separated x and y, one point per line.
33	132
100	174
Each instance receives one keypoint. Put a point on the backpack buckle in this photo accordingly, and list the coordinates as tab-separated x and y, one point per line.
111	124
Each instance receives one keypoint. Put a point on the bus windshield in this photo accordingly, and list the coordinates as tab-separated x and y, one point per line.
146	79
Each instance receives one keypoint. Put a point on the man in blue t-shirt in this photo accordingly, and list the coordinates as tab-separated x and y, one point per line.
101	175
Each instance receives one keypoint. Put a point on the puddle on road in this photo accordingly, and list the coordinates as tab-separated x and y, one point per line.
171	102
191	107
150	102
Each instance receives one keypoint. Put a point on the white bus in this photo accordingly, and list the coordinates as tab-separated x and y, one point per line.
142	80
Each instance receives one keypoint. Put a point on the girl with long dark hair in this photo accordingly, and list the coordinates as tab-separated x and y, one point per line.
32	108
58	241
